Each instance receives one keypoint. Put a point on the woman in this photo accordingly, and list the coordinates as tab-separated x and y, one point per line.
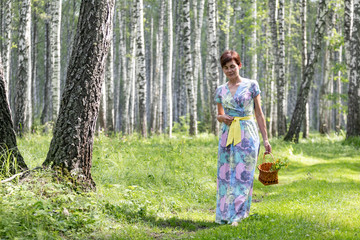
239	143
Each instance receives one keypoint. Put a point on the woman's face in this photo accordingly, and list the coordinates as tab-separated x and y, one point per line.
231	69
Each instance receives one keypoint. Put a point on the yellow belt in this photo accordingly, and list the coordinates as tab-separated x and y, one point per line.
234	134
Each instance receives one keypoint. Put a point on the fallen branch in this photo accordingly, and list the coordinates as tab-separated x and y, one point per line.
19	174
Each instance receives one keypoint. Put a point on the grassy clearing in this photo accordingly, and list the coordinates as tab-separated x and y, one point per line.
158	188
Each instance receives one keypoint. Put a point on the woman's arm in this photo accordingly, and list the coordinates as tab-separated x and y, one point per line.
262	123
222	117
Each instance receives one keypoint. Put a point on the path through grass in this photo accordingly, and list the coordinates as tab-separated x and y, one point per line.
165	189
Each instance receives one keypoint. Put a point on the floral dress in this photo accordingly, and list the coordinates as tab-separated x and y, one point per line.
236	164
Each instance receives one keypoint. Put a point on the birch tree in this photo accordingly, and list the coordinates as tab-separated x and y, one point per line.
169	69
109	81
281	118
299	112
303	14
254	40
188	67
23	106
55	26
353	124
212	66
7	37
72	143
122	55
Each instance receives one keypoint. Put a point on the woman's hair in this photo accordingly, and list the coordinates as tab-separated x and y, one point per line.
228	56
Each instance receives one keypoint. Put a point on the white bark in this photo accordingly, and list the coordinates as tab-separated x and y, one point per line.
124	78
188	67
23	106
169	69
212	63
55	25
254	41
281	118
109	82
7	35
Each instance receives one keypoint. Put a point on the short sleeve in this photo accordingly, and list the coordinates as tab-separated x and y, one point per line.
254	89
217	97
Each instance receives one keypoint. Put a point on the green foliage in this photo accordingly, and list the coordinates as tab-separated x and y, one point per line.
165	189
8	163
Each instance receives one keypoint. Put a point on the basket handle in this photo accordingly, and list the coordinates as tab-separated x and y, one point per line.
265	153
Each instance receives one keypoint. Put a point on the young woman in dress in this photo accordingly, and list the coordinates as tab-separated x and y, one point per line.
238	103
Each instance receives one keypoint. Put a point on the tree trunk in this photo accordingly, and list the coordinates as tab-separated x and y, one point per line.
169	70
7	35
212	66
10	158
45	115
254	41
281	118
327	82
23	106
109	81
72	143
55	25
299	112
124	78
34	82
303	11
188	67
141	68
353	124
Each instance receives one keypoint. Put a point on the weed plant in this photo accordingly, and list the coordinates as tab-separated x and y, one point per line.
160	188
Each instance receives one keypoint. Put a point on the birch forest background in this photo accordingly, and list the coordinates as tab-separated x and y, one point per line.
163	68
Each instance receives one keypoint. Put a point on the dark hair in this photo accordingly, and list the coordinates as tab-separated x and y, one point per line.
228	56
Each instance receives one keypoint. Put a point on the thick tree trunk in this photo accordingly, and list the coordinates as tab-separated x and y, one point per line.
213	63
122	54
72	144
353	124
23	106
10	158
299	112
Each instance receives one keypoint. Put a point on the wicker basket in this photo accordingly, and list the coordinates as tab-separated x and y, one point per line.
266	176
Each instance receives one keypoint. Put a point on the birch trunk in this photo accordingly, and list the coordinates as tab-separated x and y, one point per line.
253	41
353	124
109	81
212	69
299	112
188	67
303	14
23	106
45	115
55	26
72	144
281	118
7	36
141	67
169	70
124	78
327	82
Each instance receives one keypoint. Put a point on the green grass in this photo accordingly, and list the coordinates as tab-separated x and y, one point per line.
159	188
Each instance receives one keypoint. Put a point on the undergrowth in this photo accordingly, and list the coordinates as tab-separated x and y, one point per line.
160	188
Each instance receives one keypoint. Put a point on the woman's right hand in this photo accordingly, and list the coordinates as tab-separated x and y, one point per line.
225	119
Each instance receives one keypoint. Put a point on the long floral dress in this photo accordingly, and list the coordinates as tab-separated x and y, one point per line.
236	164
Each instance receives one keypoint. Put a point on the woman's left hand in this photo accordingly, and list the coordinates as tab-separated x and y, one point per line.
267	146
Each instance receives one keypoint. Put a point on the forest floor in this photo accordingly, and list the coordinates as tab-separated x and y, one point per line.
158	188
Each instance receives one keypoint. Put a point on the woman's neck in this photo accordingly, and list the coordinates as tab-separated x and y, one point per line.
235	81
